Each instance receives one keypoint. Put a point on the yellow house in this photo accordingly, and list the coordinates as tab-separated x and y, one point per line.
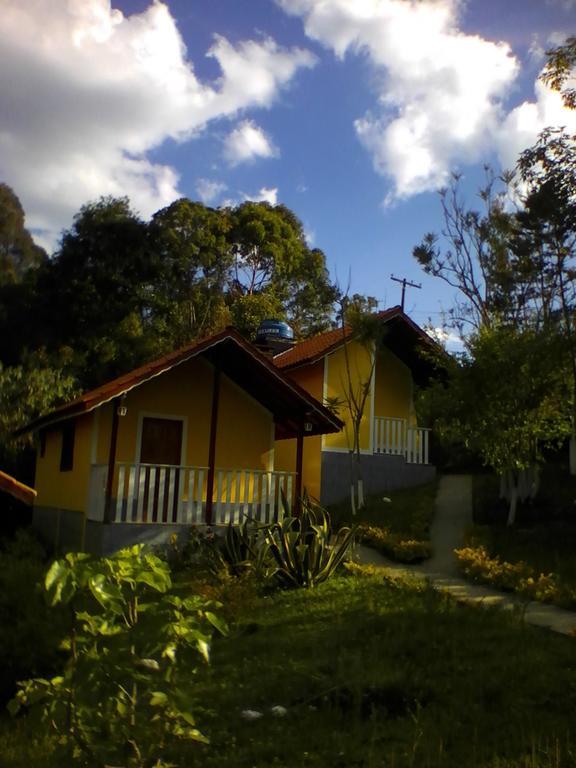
394	448
187	439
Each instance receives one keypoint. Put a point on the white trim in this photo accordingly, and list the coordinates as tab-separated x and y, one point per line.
148	415
374	361
363	451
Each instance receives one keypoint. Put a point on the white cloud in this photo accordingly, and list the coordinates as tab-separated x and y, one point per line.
87	92
439	90
208	190
265	195
449	339
248	142
522	125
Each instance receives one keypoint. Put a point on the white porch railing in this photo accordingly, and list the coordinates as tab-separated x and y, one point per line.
394	437
166	494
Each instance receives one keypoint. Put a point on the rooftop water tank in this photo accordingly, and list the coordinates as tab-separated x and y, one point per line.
274	336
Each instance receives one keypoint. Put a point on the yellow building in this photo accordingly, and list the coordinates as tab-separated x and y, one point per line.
187	439
333	366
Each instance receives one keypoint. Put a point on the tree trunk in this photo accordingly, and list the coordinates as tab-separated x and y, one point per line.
513	504
360	486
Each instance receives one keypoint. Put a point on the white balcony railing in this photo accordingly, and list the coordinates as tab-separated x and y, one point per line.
166	494
394	437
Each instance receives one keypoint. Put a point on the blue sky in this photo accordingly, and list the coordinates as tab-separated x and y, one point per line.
350	112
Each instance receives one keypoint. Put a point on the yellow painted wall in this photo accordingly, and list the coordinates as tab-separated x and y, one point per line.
360	361
244	426
393	387
244	441
310	378
64	490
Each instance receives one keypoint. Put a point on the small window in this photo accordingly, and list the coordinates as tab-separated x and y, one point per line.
67	454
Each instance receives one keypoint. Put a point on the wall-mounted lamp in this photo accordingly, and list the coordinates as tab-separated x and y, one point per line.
122	410
308	426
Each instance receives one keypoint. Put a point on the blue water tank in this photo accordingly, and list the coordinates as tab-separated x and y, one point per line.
274	329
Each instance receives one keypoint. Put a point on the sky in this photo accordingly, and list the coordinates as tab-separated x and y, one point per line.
353	113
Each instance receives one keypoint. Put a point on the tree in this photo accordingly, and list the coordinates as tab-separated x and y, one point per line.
559	70
100	280
362	332
192	244
270	258
545	238
27	391
18	251
20	259
476	257
507	400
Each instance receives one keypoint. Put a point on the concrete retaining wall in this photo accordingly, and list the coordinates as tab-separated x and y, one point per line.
380	473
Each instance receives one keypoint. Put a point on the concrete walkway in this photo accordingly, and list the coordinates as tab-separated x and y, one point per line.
453	515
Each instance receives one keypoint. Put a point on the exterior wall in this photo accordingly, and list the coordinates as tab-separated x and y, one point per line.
60	530
65	490
336	385
310	378
393	392
244	440
245	435
380	473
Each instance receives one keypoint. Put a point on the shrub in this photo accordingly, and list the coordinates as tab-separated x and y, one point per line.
125	692
518	577
394	545
31	632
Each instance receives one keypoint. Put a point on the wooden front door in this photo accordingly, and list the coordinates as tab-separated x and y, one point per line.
161	451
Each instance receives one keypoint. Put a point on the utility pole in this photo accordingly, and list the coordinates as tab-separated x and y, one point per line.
404	282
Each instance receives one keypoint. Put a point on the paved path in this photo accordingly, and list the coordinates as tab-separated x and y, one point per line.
452	516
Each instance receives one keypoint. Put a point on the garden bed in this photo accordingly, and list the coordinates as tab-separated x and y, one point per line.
396	524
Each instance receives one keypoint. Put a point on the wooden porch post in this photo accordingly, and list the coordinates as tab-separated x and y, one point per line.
212	446
111	462
298	484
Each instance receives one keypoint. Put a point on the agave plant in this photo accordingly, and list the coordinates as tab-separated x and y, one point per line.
304	548
246	548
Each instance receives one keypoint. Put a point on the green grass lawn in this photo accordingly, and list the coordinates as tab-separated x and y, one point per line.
372	672
397	523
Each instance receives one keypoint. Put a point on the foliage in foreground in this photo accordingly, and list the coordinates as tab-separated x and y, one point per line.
380	672
133	650
31	630
372	672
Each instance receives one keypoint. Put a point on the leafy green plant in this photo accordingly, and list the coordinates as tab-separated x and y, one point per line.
199	551
304	549
125	691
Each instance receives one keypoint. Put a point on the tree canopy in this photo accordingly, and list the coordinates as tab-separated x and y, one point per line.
119	290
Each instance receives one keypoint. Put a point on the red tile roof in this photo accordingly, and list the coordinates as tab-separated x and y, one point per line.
290	392
17	489
311	350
